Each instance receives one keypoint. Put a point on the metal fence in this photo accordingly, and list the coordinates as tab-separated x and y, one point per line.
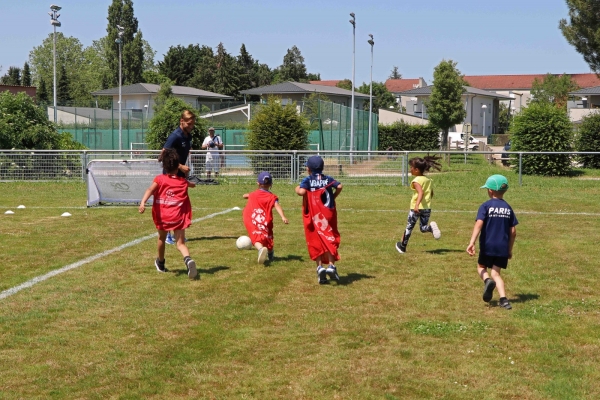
357	167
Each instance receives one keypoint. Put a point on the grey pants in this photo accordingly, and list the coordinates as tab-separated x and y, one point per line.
411	222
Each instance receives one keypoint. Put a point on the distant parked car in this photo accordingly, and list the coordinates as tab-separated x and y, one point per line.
505	155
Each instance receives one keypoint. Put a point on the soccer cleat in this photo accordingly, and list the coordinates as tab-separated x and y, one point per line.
400	248
504	303
435	230
488	291
332	273
169	239
271	255
262	255
191	268
160	266
322	275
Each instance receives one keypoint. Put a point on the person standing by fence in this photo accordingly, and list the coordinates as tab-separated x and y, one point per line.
212	144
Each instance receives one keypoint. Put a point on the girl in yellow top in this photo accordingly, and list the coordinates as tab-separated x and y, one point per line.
420	204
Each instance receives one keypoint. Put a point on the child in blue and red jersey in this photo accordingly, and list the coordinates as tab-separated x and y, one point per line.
320	218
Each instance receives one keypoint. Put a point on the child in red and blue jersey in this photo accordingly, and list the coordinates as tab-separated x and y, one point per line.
320	218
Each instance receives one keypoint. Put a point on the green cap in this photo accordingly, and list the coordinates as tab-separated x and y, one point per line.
496	182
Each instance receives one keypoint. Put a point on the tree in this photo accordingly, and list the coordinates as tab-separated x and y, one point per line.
24	125
180	63
395	74
82	67
503	119
246	69
166	120
277	127
542	127
204	74
12	77
589	140
62	88
382	97
225	75
26	80
293	68
582	30
42	95
344	84
553	89
164	93
445	107
120	12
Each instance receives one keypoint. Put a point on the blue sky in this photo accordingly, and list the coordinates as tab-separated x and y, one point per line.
484	37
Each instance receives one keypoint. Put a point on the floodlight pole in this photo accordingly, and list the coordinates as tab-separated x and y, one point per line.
353	22
120	42
54	22
372	43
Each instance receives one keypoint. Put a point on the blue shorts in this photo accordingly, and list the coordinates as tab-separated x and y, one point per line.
491	261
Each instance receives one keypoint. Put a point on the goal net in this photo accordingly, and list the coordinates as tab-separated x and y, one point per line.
119	181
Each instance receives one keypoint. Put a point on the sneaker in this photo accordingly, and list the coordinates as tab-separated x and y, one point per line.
262	255
332	273
504	303
191	268
400	248
435	230
169	239
160	266
322	275
488	292
271	256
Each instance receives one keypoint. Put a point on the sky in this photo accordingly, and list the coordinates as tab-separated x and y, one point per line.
483	37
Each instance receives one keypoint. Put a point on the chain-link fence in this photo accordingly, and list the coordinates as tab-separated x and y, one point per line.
358	167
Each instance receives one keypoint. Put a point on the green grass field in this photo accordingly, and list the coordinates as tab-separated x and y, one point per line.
410	326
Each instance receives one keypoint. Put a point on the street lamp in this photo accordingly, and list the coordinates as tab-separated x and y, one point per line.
484	107
372	43
119	41
54	22
353	22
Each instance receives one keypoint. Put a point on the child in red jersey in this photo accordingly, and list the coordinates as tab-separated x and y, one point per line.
171	210
258	216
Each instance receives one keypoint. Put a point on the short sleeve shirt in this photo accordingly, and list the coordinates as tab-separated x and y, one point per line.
212	150
427	186
181	142
317	181
498	219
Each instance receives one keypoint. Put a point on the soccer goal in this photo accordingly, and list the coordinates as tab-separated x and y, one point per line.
119	181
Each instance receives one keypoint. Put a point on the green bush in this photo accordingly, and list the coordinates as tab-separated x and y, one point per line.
543	127
402	136
23	125
276	127
166	120
589	140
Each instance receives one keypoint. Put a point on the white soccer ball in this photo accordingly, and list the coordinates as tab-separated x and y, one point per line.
243	243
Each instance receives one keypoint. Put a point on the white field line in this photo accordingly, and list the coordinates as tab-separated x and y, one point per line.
38	279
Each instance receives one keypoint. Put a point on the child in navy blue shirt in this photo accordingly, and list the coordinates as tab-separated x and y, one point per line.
496	227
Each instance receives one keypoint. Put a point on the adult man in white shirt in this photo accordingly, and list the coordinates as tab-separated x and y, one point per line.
212	144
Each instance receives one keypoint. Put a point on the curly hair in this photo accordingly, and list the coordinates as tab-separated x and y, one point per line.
170	161
425	164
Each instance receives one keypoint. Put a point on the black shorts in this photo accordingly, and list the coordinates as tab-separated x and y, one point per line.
490	261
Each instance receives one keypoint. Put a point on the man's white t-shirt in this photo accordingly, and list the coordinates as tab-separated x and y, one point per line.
212	151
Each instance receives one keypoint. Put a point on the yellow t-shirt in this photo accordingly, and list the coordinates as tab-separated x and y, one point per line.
427	186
